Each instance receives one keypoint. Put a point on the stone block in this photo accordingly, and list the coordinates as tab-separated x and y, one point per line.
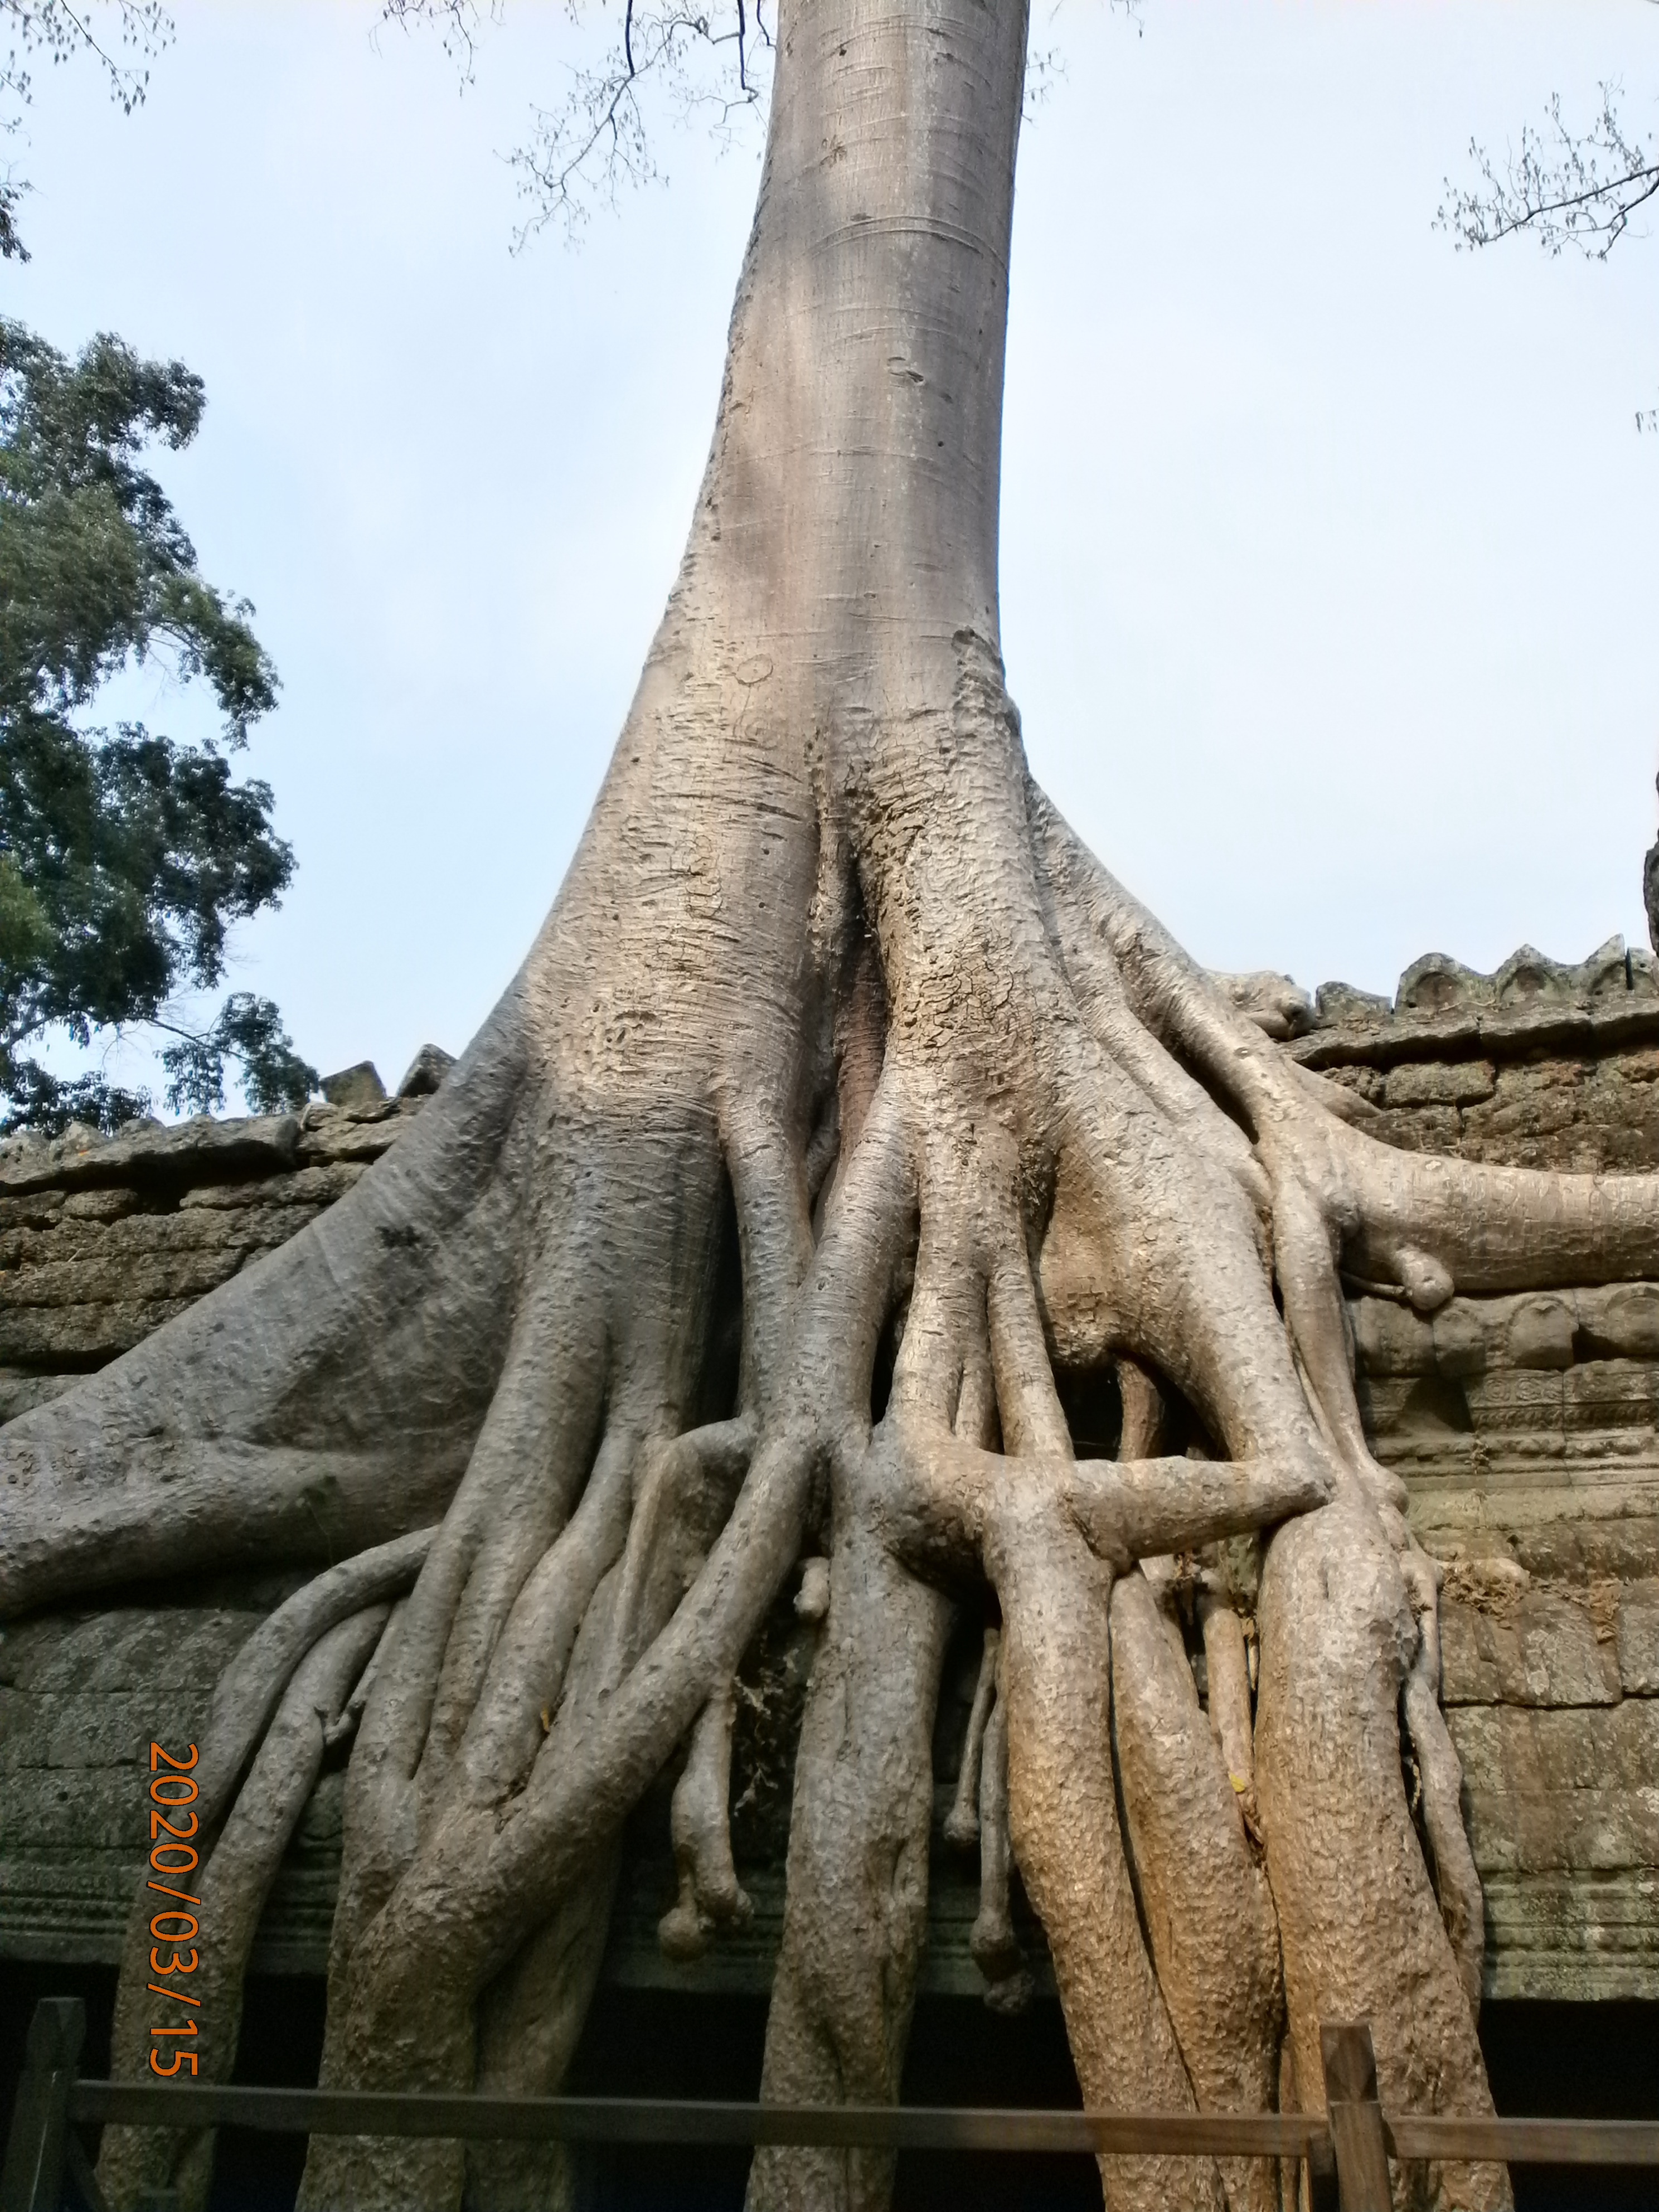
1544	1752
1539	1333
1389	1339
1600	1394
87	1335
36	1209
99	1205
1461	1347
426	1072
1621	1542
1566	1831
1437	985
1339	1005
312	1186
357	1085
1620	1321
1572	1935
151	1155
332	1133
1435	1083
1529	980
1638	1639
21	1393
1542	1651
1428	1128
1369	1084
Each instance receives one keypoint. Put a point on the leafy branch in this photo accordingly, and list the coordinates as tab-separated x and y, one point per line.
63	33
1566	189
248	1030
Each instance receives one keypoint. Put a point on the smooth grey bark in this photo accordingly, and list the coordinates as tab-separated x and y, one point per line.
836	1037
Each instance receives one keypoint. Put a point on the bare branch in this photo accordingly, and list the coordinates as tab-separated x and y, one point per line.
459	24
597	140
1564	189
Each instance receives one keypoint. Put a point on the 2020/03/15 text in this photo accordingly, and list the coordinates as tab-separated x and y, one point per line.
172	1859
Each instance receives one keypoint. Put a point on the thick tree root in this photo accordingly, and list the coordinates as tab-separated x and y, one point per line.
1204	1899
1227	1669
154	1989
962	1822
252	1685
837	1057
710	1895
1056	1603
1451	1862
1334	1608
855	1905
992	1940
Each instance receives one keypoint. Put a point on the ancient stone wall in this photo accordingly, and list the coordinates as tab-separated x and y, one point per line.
1527	1430
101	1240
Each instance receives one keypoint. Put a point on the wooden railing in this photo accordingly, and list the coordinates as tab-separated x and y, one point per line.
1347	2148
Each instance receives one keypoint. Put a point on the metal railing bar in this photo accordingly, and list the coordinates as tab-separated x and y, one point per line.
881	2127
632	2119
1356	2138
638	2120
1524	2142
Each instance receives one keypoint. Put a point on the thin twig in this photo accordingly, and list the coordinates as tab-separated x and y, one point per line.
1564	189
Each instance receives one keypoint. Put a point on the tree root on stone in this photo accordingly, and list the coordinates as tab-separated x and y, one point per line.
845	1114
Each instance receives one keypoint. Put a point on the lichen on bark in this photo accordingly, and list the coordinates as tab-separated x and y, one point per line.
845	1122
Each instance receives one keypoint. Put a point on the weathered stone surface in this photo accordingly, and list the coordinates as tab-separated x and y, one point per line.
1544	1650
426	1072
81	1695
1558	1021
310	1187
1589	1778
1432	1083
1638	1639
149	1153
1339	1005
20	1392
102	1241
359	1134
1571	1935
357	1085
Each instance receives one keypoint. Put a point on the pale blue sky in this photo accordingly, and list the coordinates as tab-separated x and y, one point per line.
1329	555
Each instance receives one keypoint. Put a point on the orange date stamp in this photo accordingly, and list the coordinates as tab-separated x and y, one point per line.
172	1825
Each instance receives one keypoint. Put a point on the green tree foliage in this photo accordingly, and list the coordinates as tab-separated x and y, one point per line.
124	856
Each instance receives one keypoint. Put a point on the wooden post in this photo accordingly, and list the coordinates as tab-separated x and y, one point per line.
32	2179
1356	2116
